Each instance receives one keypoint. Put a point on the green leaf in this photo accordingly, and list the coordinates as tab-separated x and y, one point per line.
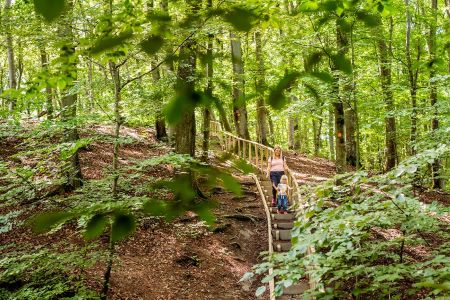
95	226
324	76
184	102
342	63
276	98
124	225
49	9
368	19
46	221
287	283
204	212
243	166
152	44
230	183
247	276
241	19
155	207
109	42
309	6
260	291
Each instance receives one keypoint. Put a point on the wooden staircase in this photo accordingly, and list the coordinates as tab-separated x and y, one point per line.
281	238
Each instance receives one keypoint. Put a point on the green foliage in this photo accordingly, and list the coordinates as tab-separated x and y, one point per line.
49	9
45	273
152	44
360	230
123	225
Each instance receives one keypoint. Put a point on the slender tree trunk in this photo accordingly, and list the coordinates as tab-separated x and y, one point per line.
271	129
209	92
385	77
339	117
68	58
291	136
447	12
90	86
331	133
48	89
260	87
222	115
239	106
437	182
10	53
118	122
412	78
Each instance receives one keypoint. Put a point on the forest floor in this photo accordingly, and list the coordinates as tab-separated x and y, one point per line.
183	259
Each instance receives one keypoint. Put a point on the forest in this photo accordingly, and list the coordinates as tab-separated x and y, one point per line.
135	137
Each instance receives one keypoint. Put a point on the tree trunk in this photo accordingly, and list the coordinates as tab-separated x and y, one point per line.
339	117
239	106
185	129
291	136
10	53
90	86
208	91
412	78
385	77
68	58
346	99
331	133
260	87
271	129
118	122
437	182
48	89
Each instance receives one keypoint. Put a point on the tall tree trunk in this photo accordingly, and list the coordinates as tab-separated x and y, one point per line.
339	117
185	130
160	122
447	12
317	128
260	87
437	182
412	78
385	77
209	92
331	133
10	51
239	105
68	58
222	115
291	135
48	89
271	129
118	122
90	86
346	99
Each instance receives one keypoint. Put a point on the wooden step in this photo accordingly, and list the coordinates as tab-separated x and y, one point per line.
281	234
296	289
282	225
281	246
288	217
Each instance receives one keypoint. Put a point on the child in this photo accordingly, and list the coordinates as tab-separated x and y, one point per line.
282	198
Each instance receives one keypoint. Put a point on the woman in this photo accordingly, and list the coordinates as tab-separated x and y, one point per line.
276	165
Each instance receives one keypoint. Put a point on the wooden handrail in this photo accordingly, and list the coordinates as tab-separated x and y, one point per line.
229	141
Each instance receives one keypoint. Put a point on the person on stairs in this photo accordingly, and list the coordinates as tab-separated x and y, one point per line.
276	165
282	195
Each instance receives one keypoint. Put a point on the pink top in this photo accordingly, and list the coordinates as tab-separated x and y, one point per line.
277	164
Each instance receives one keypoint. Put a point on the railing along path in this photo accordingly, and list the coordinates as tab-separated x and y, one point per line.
257	155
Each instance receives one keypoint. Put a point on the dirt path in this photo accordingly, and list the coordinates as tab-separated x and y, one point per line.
309	170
